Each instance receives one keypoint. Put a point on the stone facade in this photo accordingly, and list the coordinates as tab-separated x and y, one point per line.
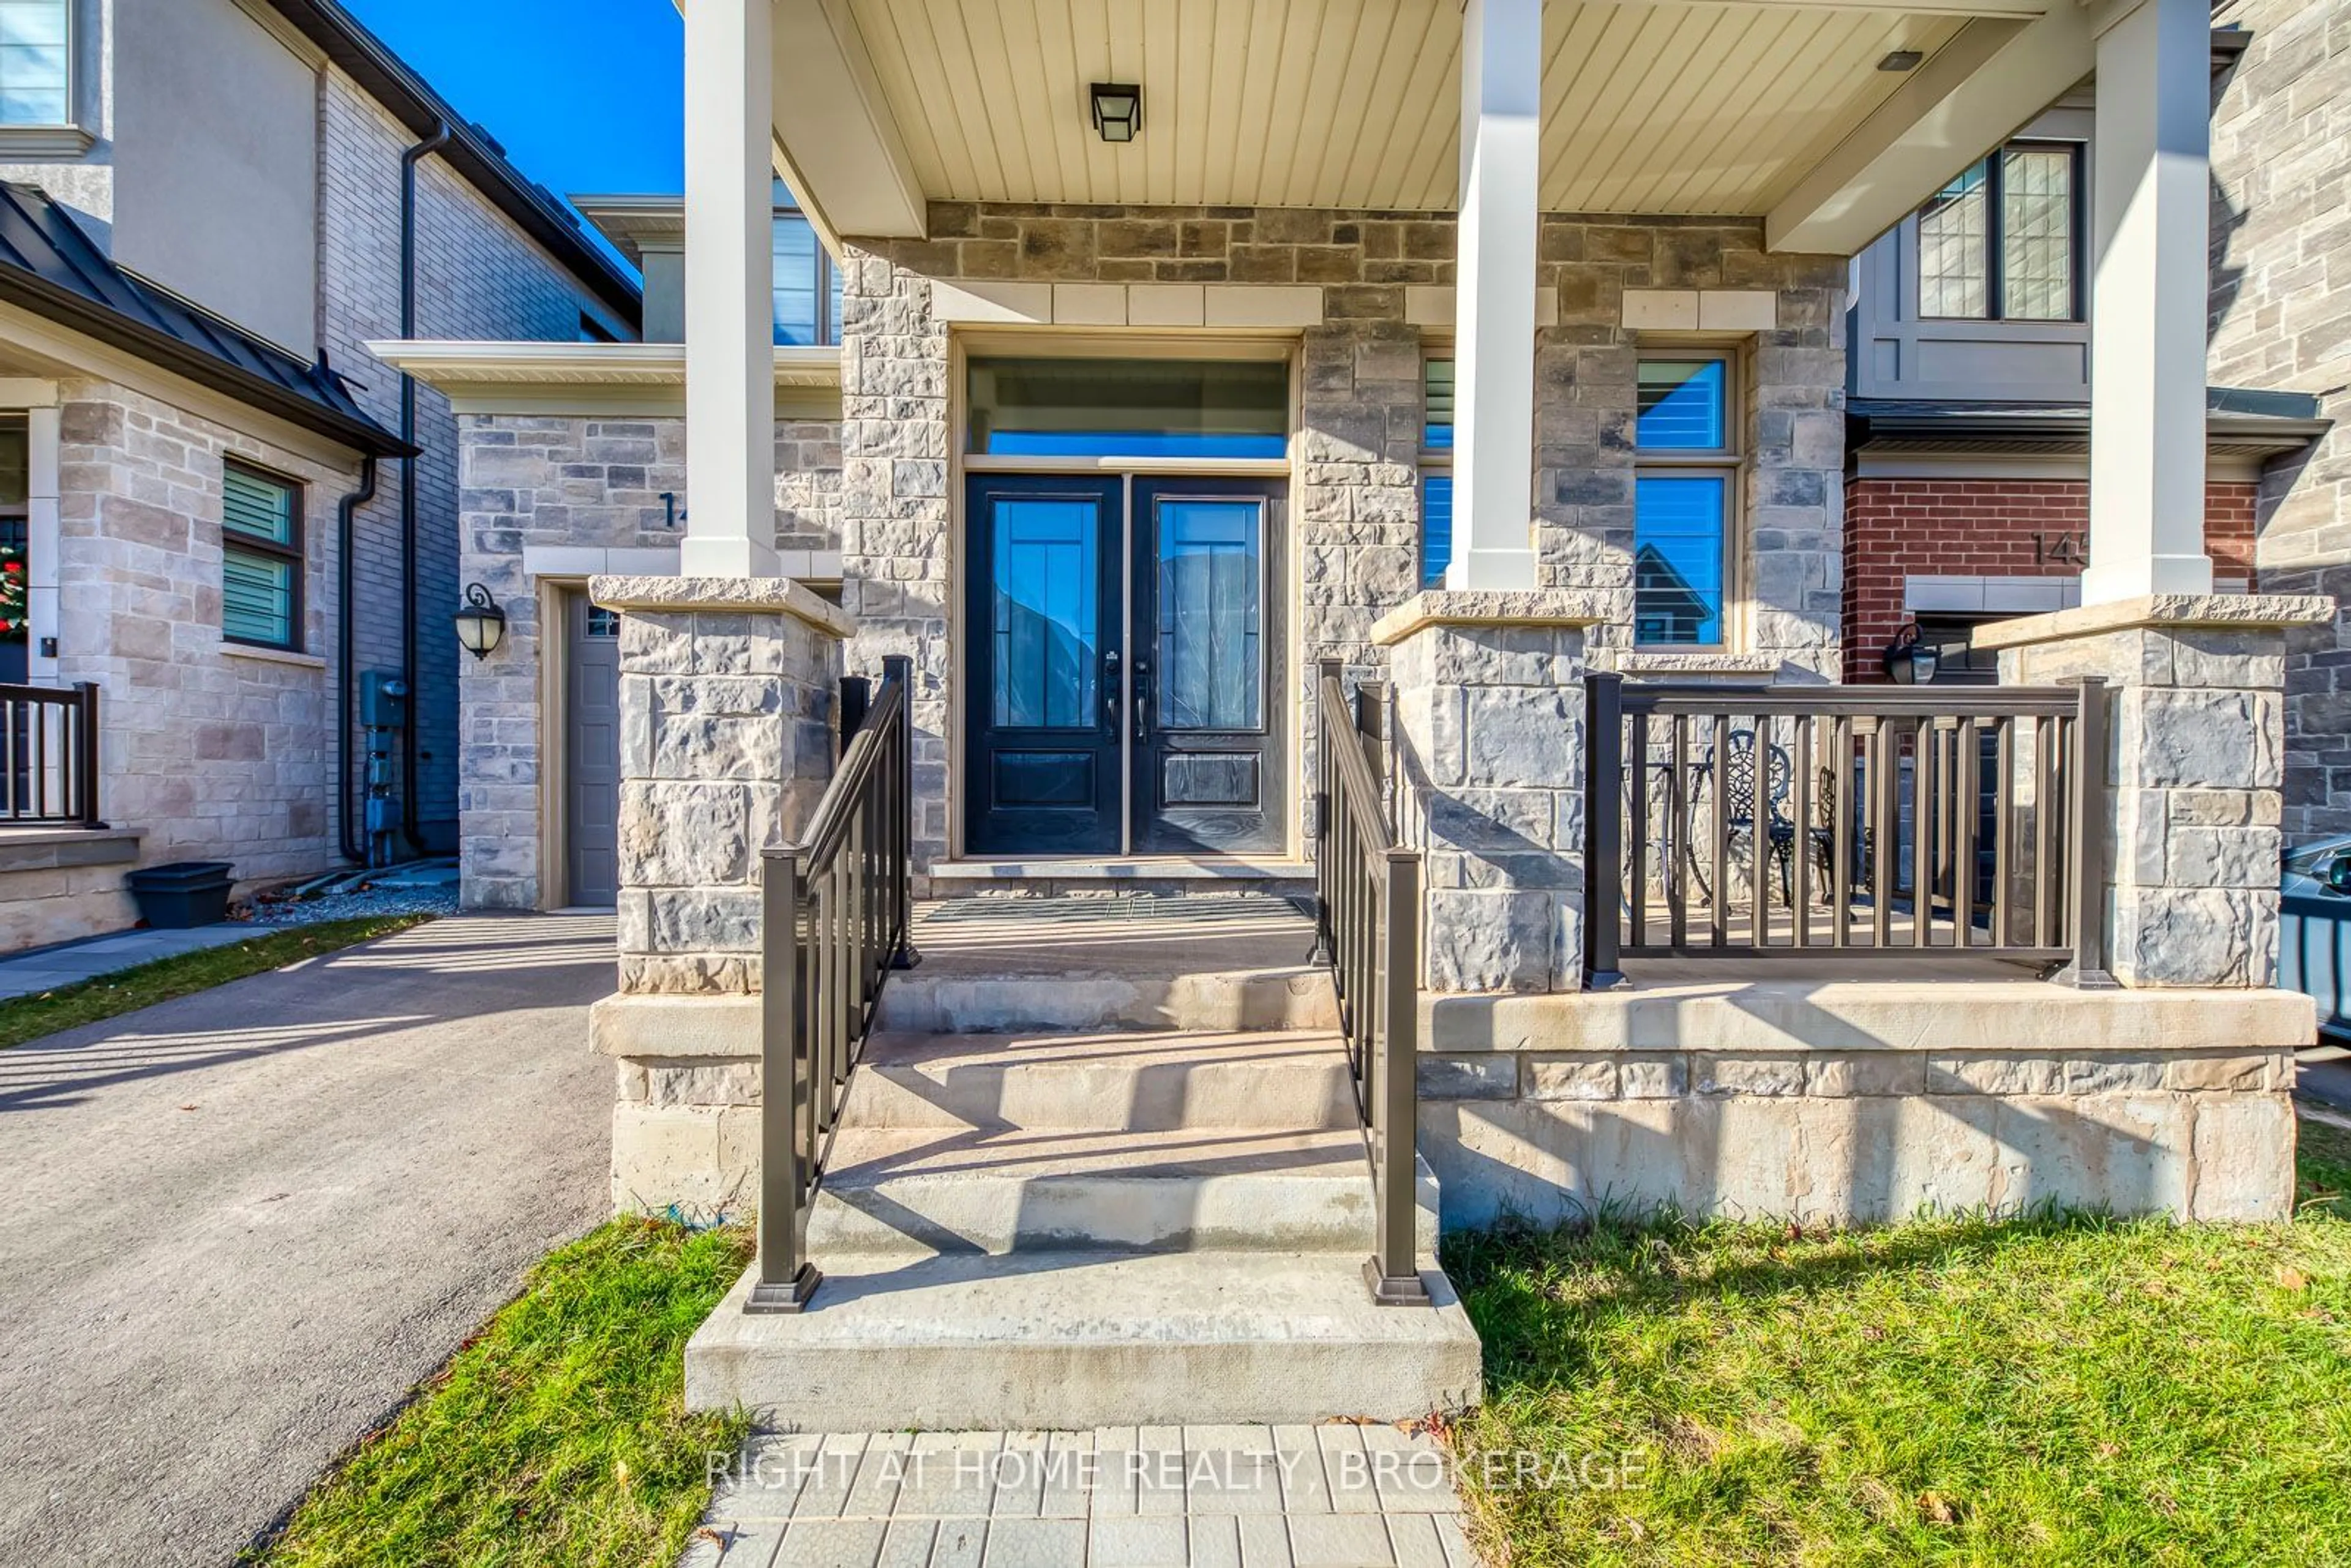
1355	482
209	749
2195	763
2282	320
1489	751
548	496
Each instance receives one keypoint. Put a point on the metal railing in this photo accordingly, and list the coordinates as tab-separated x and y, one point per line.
1914	823
838	910
1367	928
48	755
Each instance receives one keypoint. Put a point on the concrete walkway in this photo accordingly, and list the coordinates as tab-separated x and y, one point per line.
46	969
237	1228
1333	1496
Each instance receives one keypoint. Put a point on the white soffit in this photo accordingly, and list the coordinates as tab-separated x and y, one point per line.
1650	106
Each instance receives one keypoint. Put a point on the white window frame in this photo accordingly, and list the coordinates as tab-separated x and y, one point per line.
1728	461
18	135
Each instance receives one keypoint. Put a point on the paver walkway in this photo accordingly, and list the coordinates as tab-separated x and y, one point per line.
237	1228
1334	1496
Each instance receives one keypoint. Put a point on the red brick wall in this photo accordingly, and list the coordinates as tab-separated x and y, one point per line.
1896	529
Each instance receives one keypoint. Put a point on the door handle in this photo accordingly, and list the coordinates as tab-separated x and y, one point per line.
1141	699
1110	687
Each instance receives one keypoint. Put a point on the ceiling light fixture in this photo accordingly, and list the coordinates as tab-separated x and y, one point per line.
1900	60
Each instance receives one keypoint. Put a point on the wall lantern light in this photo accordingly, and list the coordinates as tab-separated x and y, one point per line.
1118	110
1909	661
481	624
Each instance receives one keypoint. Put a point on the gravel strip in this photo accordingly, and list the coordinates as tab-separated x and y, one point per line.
364	906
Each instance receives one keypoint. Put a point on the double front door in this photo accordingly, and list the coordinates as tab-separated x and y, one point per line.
1126	694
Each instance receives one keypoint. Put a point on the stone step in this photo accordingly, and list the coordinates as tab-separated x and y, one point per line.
895	1191
1140	1083
1007	965
1056	1340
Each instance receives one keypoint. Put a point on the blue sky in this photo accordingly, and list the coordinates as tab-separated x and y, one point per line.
585	95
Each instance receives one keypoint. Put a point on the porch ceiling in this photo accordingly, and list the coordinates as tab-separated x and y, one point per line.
1650	106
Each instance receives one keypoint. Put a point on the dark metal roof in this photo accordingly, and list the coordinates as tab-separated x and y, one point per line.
48	266
472	150
2239	417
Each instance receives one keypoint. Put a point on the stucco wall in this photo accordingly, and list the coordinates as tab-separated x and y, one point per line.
2282	320
216	169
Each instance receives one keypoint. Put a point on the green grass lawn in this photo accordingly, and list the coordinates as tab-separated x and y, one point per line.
127	990
557	1437
2040	1391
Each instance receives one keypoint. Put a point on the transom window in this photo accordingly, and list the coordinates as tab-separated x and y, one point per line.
2003	240
1684	487
1130	408
36	71
261	559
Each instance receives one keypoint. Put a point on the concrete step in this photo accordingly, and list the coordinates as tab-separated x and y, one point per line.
1008	965
1296	1082
1073	1340
895	1191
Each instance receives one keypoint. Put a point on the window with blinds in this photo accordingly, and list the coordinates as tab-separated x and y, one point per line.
261	559
1436	469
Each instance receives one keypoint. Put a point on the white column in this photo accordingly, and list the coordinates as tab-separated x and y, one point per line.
2147	303
730	357
1494	298
43	539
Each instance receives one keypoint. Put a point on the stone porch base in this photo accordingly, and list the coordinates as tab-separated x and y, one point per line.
1857	1101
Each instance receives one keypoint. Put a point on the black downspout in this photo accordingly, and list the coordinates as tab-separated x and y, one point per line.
346	511
408	162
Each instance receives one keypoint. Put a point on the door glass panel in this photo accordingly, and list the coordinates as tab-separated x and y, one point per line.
1211	589
1046	620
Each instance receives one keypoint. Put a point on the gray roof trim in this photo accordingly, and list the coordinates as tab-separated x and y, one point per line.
48	266
2243	420
471	150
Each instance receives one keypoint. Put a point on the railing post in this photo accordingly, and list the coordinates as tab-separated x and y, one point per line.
2085	865
900	667
1603	829
856	700
1325	949
787	1087
1393	1271
86	753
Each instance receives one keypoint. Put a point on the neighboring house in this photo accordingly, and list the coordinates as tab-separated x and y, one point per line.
1966	498
206	213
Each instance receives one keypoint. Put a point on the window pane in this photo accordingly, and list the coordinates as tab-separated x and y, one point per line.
2037	239
256	597
1678	556
1435	528
1681	405
1211	593
1954	261
258	507
1437	397
1046	566
795	256
832	310
1130	408
33	62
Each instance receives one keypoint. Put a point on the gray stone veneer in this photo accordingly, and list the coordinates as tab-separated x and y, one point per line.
1354	486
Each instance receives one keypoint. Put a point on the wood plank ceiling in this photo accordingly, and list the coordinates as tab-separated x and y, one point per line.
1648	107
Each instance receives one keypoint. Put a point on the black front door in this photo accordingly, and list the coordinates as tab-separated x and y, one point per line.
1043	757
1207	701
1126	691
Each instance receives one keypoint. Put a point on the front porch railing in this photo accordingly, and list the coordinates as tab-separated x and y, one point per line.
838	910
1908	824
48	755
1367	928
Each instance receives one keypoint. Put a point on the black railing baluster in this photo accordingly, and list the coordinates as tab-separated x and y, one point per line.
1604	829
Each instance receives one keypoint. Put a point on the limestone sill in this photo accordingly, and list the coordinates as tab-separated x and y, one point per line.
1801	1015
48	849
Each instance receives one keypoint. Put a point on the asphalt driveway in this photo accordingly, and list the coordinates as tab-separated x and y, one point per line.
237	1228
